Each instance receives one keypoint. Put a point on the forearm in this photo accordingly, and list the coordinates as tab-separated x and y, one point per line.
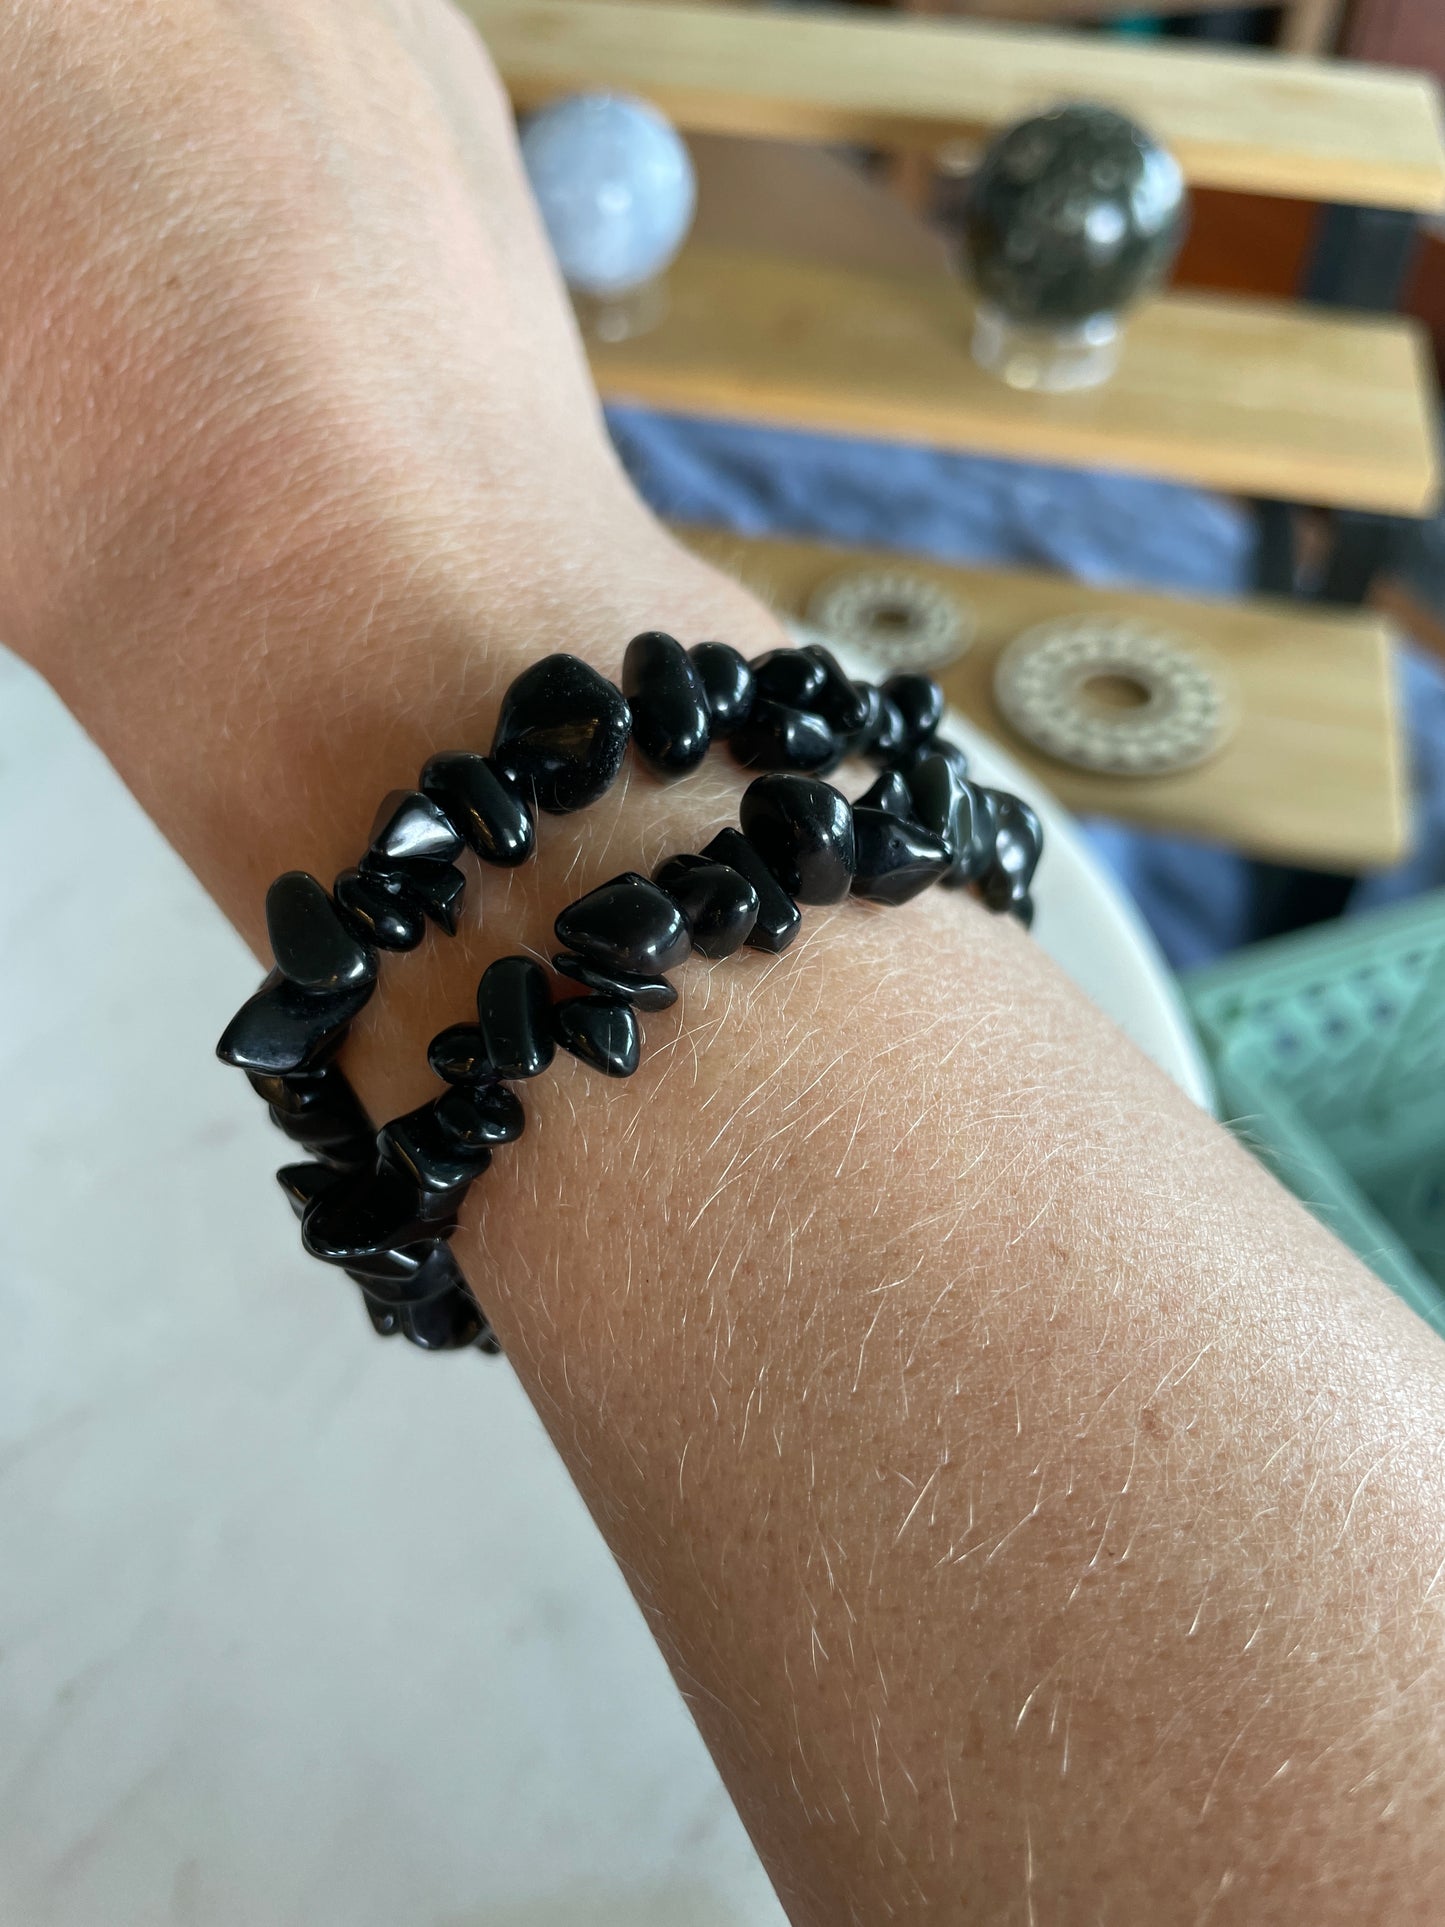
1041	1512
1022	1489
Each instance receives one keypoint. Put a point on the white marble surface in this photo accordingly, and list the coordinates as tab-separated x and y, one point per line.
295	1628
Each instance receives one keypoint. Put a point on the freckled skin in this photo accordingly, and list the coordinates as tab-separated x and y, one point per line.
1042	1515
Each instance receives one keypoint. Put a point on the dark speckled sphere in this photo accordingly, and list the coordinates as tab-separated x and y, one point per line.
1077	212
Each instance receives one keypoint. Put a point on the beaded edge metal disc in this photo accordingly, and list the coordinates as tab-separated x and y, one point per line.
1039	678
936	627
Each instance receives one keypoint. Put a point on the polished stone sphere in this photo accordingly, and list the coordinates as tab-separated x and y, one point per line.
615	185
1074	213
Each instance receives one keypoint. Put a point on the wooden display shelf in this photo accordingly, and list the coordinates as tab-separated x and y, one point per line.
1313	773
1258	397
1256	122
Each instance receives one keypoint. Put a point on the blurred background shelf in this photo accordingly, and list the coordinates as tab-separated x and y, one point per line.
813	296
1263	398
1303	27
1235	119
1313	773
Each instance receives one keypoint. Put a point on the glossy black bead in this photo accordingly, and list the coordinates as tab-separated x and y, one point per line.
1020	837
311	944
562	733
514	1013
803	830
336	1119
315	1129
459	1054
975	831
385	1319
896	859
998	890
412	827
447	1323
870	701
943	802
643	993
476	1120
367	1213
919	702
888	741
957	758
777	737
727	683
908	759
975	859
1018	846
406	1276
718	901
843	704
350	1155
394	1272
890	792
440	888
284	1028
626	924
778	918
294	1094
378	908
602	1031
671	726
417	1145
788	676
303	1182
443	1269
483	804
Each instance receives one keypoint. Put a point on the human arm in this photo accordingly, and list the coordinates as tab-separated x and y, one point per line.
1042	1515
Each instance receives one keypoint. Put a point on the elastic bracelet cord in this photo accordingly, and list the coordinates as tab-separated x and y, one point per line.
381	1205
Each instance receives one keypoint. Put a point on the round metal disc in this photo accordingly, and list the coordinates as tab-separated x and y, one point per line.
1180	718
901	619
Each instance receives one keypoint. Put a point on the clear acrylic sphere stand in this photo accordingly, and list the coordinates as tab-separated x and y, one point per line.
1050	361
622	316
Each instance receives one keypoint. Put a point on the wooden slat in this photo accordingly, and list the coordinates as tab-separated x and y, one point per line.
1068	13
1257	397
1246	120
1313	773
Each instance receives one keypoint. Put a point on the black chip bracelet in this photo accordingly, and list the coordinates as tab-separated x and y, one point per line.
381	1205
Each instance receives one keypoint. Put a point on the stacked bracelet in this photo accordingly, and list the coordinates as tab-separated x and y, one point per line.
382	1205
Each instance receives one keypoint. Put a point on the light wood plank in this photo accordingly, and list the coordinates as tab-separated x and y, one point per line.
1314	772
1237	119
1067	13
1258	397
1306	26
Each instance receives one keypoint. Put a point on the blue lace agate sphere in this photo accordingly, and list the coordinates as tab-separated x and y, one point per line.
615	185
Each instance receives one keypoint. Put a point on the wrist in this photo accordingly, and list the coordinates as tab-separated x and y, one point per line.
261	696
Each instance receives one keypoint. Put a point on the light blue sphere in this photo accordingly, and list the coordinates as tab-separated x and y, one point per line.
616	188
